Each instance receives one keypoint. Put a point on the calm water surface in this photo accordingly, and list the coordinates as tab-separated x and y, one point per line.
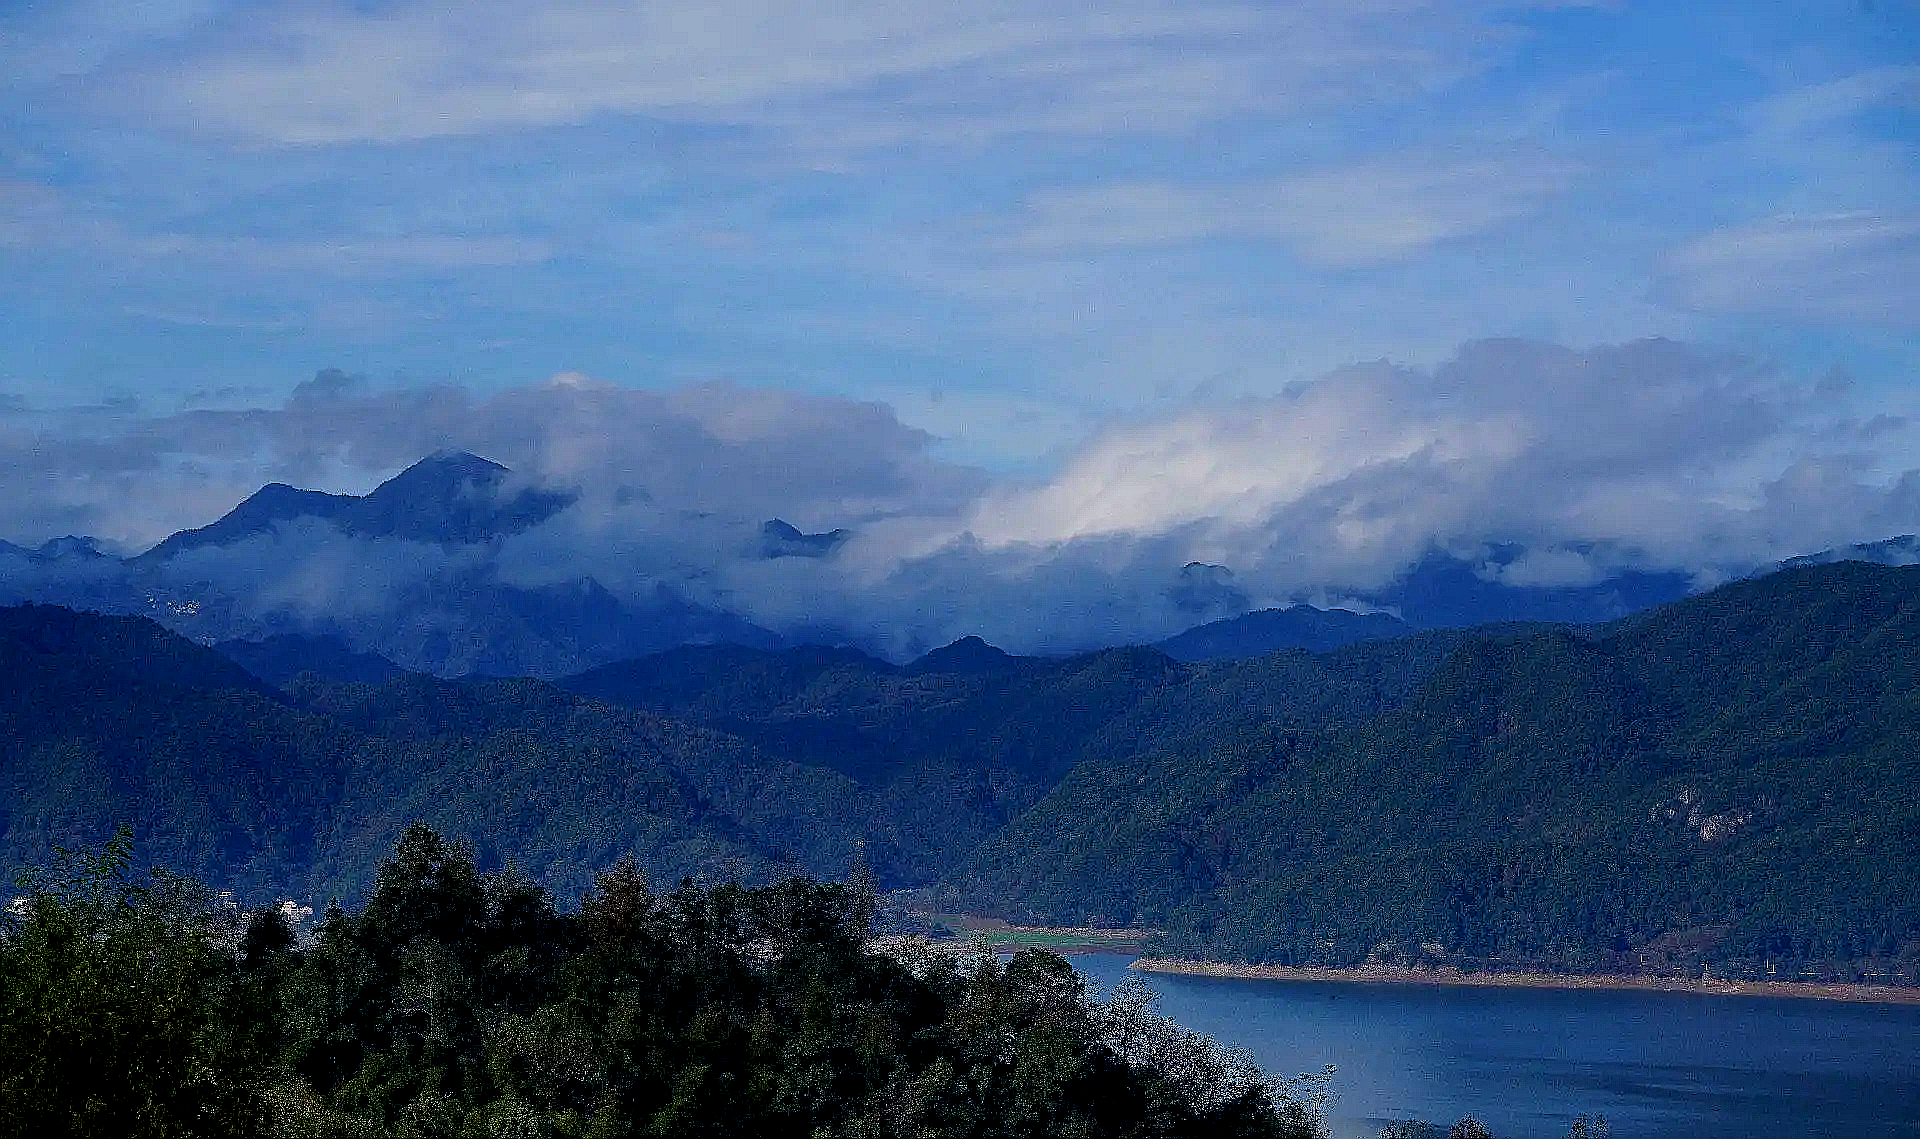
1525	1061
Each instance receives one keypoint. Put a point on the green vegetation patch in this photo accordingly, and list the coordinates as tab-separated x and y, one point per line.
459	1003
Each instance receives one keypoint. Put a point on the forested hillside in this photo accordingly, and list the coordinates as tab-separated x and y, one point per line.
945	751
1731	778
112	719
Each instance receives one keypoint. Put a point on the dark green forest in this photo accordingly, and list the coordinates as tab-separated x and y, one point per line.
457	1002
1730	782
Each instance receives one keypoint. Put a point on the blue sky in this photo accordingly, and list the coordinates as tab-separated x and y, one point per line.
1042	234
1012	225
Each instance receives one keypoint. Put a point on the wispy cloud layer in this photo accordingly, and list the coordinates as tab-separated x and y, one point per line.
1073	243
1856	267
1815	108
1334	218
320	74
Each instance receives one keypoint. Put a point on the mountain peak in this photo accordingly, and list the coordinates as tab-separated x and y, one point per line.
453	496
1900	550
71	546
441	472
465	462
1271	630
257	514
449	496
966	655
782	539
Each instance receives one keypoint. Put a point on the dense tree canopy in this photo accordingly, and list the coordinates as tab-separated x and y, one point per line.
456	1002
122	1011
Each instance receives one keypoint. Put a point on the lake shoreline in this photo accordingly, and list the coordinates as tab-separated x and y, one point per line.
1405	975
1068	940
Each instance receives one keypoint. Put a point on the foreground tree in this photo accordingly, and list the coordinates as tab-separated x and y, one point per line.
462	1003
119	1012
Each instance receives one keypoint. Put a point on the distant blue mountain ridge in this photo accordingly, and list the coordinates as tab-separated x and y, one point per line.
452	496
471	622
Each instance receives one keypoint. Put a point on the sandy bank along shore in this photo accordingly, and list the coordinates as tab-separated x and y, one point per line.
1403	975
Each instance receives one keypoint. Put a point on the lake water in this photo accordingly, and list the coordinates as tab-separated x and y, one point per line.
1525	1061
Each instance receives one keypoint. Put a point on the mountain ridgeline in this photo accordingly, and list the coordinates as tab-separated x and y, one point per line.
451	497
1731	780
420	561
459	566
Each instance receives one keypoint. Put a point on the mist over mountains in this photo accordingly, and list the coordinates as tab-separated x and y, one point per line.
418	572
562	525
425	572
409	571
448	498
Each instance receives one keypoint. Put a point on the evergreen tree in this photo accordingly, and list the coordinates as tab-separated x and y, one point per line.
120	1014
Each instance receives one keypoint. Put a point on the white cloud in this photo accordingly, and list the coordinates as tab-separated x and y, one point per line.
335	73
741	453
37	217
1231	467
1816	107
1336	218
1651	454
1659	452
1852	267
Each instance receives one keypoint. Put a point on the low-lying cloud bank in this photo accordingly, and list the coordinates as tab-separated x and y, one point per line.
1649	455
